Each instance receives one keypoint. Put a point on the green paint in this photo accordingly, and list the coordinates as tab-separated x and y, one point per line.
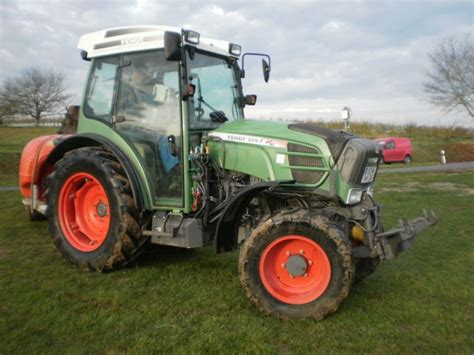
187	172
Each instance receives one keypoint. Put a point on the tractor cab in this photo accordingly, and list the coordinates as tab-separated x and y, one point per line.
159	89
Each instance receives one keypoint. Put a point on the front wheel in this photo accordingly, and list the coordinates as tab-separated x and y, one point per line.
91	211
297	265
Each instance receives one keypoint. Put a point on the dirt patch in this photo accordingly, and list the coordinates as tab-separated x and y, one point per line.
408	187
458	189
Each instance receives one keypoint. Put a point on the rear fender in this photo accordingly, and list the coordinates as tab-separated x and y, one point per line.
90	140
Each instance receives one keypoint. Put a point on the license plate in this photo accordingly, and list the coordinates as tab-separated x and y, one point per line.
369	174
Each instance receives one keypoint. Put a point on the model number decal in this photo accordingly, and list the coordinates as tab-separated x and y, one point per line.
242	138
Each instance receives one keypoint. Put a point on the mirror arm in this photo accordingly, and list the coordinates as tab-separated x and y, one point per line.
242	70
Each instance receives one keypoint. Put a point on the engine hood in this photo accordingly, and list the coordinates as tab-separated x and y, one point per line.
278	134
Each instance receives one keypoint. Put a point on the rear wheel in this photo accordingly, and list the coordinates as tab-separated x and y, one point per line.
91	211
407	159
297	265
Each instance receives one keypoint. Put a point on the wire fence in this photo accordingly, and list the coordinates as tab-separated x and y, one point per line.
21	121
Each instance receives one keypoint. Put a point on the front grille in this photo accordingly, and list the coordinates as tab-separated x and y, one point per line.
311	162
305	176
298	148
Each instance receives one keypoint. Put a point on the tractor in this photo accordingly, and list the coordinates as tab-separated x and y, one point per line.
163	155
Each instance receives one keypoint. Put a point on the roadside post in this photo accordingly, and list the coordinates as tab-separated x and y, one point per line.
442	154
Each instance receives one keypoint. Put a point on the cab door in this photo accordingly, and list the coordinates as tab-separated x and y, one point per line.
148	116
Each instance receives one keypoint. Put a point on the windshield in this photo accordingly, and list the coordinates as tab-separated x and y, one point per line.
217	96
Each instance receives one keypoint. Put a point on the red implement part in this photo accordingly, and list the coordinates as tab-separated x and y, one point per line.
84	212
295	269
32	162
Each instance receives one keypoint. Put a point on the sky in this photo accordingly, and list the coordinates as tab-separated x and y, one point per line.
368	55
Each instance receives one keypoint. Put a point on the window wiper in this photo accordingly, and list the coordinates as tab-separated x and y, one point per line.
218	116
215	115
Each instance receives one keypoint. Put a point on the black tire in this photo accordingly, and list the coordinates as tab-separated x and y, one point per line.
34	216
407	159
316	228
124	240
365	267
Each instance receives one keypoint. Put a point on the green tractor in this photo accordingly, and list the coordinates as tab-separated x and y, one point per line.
163	155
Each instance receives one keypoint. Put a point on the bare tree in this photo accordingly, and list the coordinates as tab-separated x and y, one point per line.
35	92
450	83
5	108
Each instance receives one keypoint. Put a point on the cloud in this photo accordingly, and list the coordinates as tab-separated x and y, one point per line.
325	55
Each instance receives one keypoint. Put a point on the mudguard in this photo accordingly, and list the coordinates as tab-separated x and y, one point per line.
89	140
226	233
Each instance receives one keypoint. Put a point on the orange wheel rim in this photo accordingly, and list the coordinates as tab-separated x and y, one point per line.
84	212
295	269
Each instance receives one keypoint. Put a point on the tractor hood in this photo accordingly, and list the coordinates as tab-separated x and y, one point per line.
270	133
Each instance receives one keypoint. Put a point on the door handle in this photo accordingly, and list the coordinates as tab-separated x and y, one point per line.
172	145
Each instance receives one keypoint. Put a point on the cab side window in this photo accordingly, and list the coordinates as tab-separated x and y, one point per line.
101	88
390	145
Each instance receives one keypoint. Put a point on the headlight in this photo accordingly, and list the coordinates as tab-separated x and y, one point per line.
191	36
370	190
235	49
354	196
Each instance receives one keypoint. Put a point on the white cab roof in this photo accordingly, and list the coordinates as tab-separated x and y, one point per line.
138	38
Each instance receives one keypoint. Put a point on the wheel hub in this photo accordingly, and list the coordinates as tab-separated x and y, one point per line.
101	209
294	269
83	211
296	265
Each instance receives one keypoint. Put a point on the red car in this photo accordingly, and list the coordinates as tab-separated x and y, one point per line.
396	149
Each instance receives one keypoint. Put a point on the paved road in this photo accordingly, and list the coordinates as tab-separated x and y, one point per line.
440	167
9	188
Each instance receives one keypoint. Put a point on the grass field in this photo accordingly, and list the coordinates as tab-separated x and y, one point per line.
421	302
12	141
193	302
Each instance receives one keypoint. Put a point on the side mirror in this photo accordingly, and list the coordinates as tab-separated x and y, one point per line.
250	100
266	66
266	70
84	56
172	42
